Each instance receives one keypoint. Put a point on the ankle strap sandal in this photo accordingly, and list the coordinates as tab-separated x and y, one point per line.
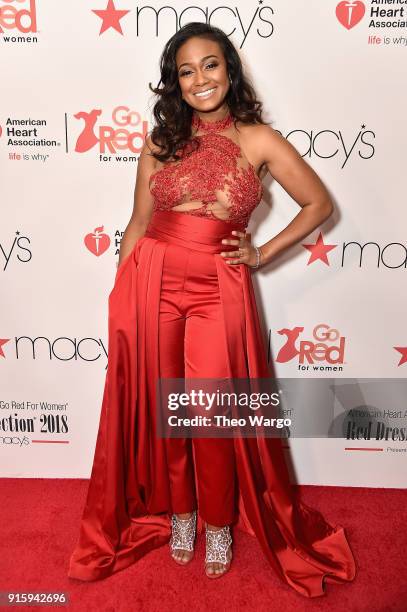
183	532
217	544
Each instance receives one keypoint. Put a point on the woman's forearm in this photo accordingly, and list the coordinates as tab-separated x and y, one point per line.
309	218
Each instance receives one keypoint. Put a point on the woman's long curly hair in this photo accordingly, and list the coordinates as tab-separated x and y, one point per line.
173	115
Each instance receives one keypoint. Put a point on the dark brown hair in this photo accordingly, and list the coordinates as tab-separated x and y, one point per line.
173	115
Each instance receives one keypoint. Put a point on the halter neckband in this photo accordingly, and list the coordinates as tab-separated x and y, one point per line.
211	126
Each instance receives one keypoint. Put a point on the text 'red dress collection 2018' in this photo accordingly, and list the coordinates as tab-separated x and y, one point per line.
177	309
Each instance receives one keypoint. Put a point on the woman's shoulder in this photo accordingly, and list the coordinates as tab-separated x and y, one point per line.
148	151
150	146
259	139
253	131
255	139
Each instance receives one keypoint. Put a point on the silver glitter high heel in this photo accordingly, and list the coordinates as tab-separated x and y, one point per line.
183	535
217	545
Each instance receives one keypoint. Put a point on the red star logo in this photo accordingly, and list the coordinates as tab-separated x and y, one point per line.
403	351
110	17
3	341
319	250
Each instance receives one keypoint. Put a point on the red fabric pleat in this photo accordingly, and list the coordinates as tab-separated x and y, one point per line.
127	510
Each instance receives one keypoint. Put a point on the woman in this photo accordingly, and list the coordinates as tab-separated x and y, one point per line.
183	306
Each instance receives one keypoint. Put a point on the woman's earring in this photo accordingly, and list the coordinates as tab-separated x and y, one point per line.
230	80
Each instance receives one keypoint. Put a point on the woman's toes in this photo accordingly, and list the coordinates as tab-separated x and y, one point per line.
182	556
215	568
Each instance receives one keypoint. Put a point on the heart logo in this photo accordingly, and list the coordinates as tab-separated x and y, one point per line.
97	243
350	13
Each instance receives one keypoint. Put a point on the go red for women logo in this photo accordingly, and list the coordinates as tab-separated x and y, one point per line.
125	131
18	15
326	345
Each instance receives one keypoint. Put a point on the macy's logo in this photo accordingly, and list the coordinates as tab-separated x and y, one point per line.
111	138
320	348
14	16
392	255
62	348
259	22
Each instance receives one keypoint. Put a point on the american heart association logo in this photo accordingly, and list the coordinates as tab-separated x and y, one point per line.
350	13
98	242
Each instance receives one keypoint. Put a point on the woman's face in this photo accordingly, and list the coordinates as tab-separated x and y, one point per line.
202	69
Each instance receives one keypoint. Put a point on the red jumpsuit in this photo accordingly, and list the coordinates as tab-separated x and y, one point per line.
216	182
177	310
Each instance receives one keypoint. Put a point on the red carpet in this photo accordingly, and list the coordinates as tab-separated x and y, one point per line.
39	521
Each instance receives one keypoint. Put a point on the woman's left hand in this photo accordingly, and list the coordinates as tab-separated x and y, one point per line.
246	253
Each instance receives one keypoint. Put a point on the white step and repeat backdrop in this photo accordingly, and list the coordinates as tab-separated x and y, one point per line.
75	109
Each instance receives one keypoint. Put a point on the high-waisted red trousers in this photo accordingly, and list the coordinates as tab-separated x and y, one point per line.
192	344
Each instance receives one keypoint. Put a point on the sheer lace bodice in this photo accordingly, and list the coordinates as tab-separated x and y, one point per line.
215	180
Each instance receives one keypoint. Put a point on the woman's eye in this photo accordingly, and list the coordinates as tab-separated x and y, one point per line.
185	72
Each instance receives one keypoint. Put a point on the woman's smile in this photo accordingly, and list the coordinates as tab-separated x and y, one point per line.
206	93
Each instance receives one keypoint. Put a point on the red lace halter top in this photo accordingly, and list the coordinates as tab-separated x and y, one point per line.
215	180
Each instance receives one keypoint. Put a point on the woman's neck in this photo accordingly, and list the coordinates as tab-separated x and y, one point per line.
211	122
